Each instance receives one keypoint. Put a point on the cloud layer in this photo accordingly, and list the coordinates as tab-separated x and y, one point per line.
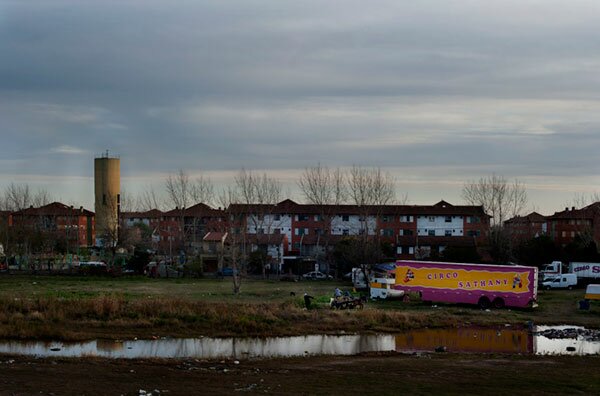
437	92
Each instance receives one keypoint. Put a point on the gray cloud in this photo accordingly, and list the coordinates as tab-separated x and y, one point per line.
444	89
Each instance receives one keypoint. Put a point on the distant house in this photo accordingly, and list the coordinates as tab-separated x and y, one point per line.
526	227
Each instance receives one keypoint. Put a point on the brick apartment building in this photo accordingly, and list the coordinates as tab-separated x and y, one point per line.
562	227
75	225
527	227
311	229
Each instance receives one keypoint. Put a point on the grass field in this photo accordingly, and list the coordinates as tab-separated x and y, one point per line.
63	307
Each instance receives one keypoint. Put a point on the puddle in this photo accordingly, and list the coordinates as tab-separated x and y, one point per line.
565	346
462	340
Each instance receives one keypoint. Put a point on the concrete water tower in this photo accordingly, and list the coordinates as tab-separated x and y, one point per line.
107	190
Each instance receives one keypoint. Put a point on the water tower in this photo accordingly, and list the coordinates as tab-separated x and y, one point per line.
107	191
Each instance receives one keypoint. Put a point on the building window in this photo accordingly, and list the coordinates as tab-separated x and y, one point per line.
345	218
276	231
448	233
399	250
411	250
261	231
318	218
448	219
386	219
407	232
564	234
431	232
302	217
277	217
473	219
345	231
474	233
387	232
431	219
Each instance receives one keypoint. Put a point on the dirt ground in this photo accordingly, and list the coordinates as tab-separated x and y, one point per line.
365	374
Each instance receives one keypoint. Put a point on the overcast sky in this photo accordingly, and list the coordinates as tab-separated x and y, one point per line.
436	92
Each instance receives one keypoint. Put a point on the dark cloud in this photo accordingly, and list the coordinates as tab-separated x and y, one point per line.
472	87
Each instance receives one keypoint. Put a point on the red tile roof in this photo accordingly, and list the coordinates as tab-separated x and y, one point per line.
214	236
290	207
532	217
588	212
54	209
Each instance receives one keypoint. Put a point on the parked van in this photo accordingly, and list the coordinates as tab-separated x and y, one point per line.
564	281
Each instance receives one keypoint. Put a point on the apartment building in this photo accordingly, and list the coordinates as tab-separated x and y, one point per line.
526	227
75	225
311	229
564	226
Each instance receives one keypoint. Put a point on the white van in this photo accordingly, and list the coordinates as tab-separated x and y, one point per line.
564	281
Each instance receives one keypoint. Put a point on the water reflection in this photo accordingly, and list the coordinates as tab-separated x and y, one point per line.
461	340
471	340
558	346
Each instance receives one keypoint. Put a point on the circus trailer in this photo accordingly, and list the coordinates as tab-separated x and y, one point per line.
485	285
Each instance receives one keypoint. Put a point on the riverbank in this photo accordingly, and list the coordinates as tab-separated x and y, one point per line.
66	308
368	374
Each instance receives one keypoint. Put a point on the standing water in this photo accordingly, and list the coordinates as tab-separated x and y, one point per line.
459	340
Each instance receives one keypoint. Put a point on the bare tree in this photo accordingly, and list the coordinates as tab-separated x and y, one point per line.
149	200
371	190
202	190
499	198
371	186
234	235
260	194
21	196
322	186
41	197
326	189
128	202
17	196
184	192
179	189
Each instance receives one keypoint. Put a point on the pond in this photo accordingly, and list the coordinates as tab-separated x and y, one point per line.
505	340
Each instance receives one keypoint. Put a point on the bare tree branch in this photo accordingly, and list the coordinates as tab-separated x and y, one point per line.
499	199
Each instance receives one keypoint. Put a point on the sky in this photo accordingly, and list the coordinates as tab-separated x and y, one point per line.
438	93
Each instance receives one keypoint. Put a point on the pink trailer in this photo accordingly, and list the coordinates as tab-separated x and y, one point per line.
482	284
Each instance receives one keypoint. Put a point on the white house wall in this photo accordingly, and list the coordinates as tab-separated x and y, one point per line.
439	225
269	224
353	225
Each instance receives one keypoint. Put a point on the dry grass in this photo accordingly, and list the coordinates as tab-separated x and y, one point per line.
49	317
73	309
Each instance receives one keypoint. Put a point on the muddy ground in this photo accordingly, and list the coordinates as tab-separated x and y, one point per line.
365	374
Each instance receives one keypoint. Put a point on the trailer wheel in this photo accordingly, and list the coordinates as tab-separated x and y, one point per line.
498	303
570	287
547	288
484	303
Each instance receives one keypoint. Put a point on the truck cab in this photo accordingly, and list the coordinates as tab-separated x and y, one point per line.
551	271
563	281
